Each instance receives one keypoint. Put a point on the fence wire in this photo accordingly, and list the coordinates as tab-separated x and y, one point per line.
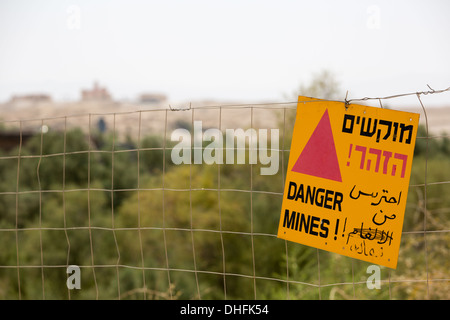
139	227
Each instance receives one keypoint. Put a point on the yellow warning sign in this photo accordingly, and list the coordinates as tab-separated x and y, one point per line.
347	179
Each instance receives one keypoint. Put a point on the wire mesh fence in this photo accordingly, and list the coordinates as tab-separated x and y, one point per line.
101	192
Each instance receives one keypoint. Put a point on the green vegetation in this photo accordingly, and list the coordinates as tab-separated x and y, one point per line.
154	230
134	215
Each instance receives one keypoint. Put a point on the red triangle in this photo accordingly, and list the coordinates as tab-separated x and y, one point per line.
319	157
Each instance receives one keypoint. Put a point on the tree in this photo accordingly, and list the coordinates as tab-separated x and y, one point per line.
323	85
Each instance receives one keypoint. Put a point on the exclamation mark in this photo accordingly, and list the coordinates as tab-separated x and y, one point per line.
345	223
349	154
336	229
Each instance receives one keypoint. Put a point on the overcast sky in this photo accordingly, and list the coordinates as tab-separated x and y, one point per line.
228	50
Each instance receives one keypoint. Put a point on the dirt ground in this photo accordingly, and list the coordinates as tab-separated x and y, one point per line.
140	120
